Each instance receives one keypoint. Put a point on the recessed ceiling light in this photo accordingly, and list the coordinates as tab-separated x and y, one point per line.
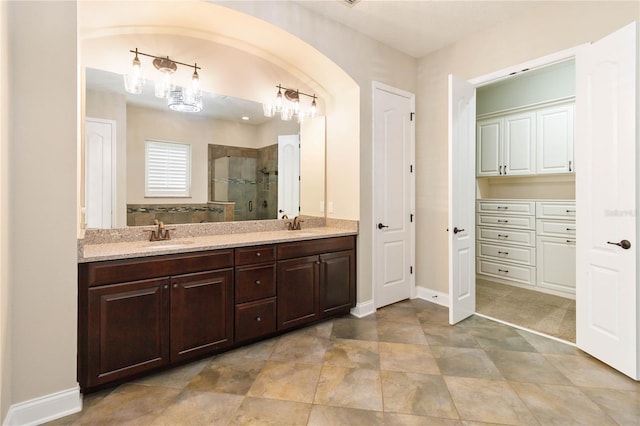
245	118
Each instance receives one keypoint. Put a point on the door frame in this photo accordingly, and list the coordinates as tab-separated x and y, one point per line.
113	171
412	190
509	72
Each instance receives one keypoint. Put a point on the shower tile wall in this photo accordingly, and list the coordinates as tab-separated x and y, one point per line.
268	182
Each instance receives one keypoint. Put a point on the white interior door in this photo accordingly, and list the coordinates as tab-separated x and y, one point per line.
99	176
288	175
393	132
462	149
606	204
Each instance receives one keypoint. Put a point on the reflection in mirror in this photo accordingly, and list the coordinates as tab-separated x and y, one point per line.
234	169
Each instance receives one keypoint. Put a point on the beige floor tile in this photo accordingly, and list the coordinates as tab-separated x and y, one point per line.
323	415
88	402
405	315
227	375
353	354
129	405
349	387
286	381
465	362
178	377
589	372
448	335
408	358
622	406
270	412
199	408
300	347
491	401
545	345
527	367
259	350
417	394
356	329
501	338
395	332
395	419
555	404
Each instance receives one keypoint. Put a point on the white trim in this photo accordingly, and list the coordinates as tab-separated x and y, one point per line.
412	188
363	309
433	296
44	409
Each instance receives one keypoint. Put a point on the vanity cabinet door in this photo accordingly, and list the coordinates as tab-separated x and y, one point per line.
298	291
201	313
128	327
337	282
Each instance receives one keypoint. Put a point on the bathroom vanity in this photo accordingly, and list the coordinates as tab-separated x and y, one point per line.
148	311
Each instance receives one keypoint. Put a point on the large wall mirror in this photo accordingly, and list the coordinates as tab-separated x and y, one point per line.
242	165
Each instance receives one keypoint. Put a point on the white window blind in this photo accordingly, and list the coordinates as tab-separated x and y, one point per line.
167	169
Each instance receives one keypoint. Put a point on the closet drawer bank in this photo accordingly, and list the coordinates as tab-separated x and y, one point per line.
142	314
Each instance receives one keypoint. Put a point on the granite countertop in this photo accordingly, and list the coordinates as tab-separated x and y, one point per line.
132	249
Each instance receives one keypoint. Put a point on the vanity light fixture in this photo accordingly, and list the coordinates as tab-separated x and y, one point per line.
178	98
288	105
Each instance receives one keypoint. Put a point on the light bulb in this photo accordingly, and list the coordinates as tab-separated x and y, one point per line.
314	107
134	81
195	80
279	101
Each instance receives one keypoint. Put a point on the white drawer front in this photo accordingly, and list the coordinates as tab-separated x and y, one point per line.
511	207
557	263
523	255
556	228
555	210
520	273
511	236
522	222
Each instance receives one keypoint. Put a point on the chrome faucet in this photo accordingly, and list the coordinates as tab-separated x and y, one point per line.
160	233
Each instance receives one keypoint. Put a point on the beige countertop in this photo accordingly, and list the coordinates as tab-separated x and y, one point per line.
132	249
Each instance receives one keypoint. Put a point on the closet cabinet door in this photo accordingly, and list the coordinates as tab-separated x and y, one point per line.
555	139
519	144
489	147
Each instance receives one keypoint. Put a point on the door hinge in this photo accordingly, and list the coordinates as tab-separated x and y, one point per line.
411	116
411	217
411	269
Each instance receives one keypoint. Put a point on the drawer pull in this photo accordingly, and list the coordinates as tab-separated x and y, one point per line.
258	319
570	211
503	235
258	254
571	229
506	253
503	270
571	241
502	221
503	207
258	282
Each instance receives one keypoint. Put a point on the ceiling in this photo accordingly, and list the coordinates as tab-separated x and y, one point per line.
419	27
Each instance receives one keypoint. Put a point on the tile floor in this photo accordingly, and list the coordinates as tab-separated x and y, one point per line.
402	366
546	313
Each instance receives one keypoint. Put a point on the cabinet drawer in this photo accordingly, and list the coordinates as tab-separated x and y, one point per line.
556	228
511	236
255	282
511	207
523	255
556	210
258	254
308	248
557	263
519	273
255	319
505	221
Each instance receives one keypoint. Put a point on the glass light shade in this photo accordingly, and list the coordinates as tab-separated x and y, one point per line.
268	110
301	116
195	82
184	101
314	108
134	81
164	86
286	113
279	104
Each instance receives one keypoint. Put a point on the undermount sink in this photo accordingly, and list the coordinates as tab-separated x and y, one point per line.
168	244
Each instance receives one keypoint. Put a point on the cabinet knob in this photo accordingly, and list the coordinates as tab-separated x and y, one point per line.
166	286
258	254
258	319
258	282
175	286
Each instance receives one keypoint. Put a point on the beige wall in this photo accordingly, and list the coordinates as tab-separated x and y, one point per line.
5	324
564	24
42	198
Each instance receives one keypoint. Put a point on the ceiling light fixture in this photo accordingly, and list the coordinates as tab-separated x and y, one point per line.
178	98
288	105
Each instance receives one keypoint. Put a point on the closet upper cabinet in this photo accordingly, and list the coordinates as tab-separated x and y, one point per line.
555	142
506	145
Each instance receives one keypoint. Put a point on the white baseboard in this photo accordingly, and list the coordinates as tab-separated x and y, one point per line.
44	409
433	296
363	309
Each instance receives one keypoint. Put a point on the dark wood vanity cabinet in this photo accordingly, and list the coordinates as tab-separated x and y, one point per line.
316	279
141	314
128	325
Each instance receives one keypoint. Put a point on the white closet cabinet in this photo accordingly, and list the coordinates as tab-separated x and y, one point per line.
554	139
506	145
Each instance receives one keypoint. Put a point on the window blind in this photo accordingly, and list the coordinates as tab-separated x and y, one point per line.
167	169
